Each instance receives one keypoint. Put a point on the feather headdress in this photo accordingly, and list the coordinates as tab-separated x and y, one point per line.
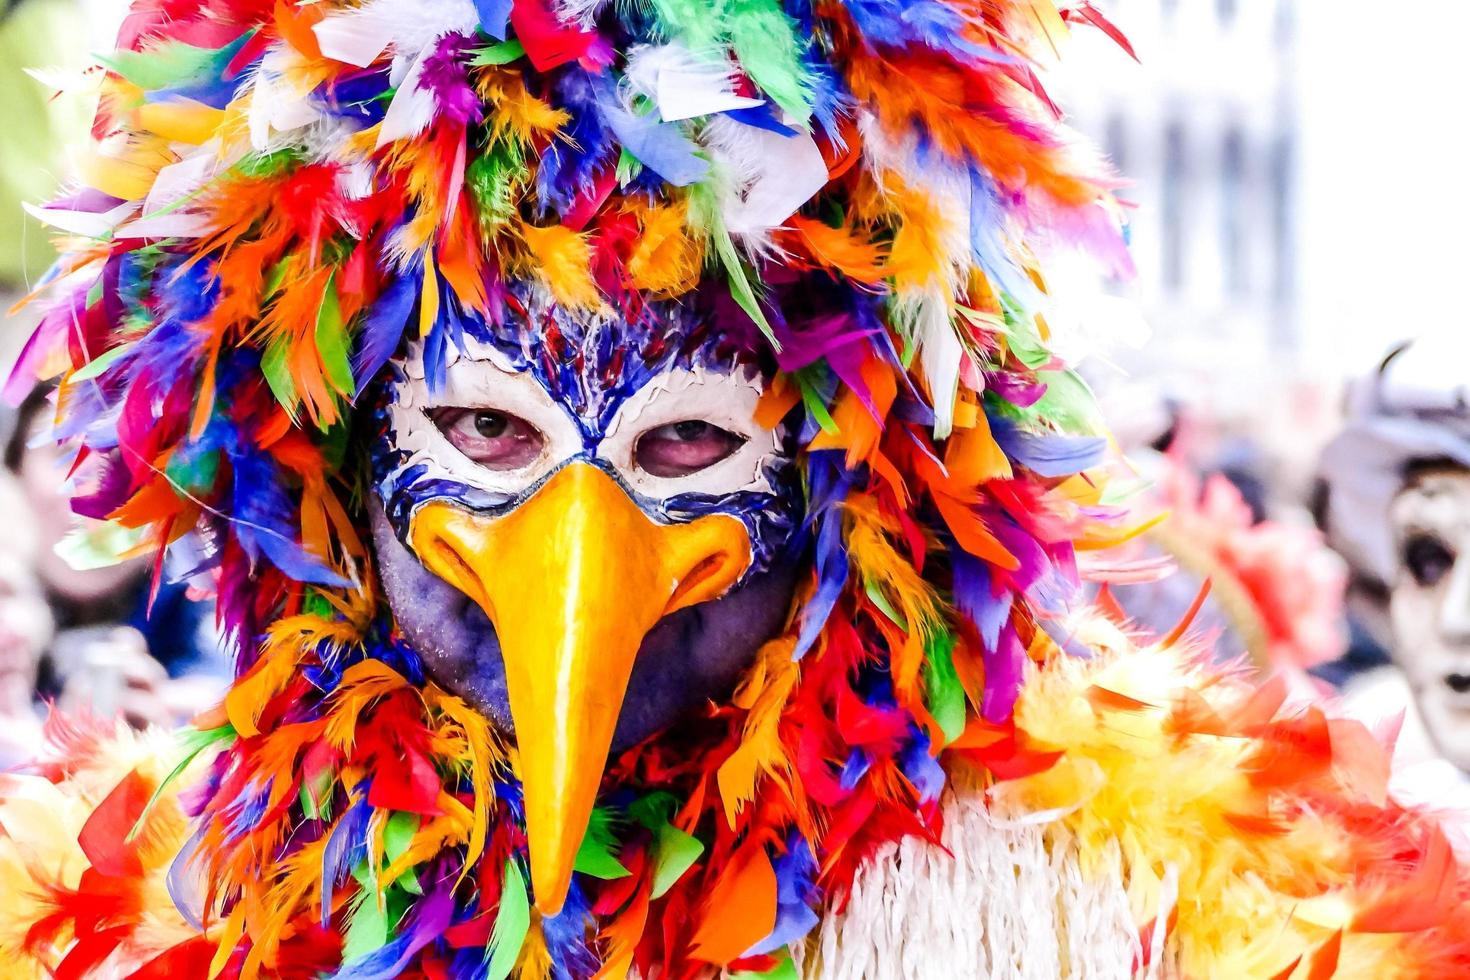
280	194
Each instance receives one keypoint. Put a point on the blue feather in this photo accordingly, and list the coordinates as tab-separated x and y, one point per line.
796	897
347	846
1050	454
662	147
830	482
383	327
570	166
494	16
973	596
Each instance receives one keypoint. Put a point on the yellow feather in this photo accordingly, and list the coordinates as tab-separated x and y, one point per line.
362	684
763	693
1170	803
125	169
470	737
447	830
517	114
666	259
534	962
562	258
892	576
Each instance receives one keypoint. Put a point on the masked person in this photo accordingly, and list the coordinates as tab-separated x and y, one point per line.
649	514
1396	484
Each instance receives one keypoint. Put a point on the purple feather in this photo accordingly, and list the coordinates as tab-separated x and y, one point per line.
1003	668
1050	454
446	75
430	917
975	597
347	845
383	328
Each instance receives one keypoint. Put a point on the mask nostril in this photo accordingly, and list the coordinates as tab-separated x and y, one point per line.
697	579
1459	683
451	566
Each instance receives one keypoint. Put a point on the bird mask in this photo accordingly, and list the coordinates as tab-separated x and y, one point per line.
625	438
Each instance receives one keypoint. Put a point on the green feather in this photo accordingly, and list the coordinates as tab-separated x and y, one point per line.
946	696
331	341
367	925
674	852
492	179
705	216
784	970
171	63
772	53
595	857
397	835
98	365
811	398
1068	403
498	54
274	365
698	23
512	922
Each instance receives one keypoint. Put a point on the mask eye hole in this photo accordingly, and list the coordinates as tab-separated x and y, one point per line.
1427	558
494	439
681	448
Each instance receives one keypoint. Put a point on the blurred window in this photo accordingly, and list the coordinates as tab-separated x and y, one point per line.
1234	207
1116	141
1171	206
1283	152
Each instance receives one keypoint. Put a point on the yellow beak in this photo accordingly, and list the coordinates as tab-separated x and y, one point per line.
573	579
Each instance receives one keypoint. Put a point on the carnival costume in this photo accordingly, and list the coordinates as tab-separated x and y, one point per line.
650	515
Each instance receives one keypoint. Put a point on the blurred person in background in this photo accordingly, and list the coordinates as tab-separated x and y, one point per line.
1394	500
119	647
25	628
1243	583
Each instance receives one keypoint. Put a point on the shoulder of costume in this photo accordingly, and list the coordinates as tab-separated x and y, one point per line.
1178	811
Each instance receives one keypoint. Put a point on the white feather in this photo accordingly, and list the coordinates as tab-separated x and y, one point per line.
412	108
584	13
359	36
276	105
684	84
175	224
85	223
179	180
765	177
927	318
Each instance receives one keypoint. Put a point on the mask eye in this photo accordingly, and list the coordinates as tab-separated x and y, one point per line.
682	448
496	440
1427	559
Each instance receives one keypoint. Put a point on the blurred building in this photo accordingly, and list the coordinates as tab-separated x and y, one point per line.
1204	127
1295	169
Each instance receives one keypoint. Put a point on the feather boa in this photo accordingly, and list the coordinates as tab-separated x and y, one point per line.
373	831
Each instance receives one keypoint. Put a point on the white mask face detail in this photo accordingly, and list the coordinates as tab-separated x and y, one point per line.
656	412
479	378
1430	603
688	430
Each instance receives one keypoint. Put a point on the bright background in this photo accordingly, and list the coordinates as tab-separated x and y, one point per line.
1298	169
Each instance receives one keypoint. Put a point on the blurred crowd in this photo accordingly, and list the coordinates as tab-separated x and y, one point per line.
1341	572
78	628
